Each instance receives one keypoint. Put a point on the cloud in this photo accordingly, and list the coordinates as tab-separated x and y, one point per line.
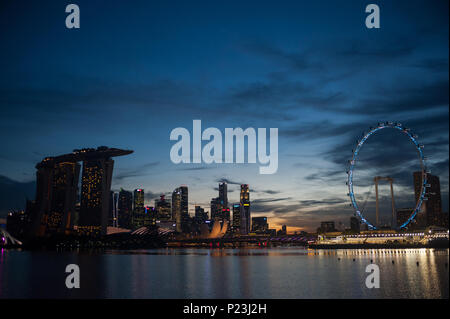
432	64
14	194
267	204
328	201
139	171
398	99
299	61
266	191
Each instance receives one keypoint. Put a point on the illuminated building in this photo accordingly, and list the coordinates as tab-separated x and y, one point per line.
245	210
223	196
236	218
215	208
355	225
185	218
56	193
125	209
95	192
150	216
176	208
432	207
54	209
139	201
163	209
113	220
260	225
138	208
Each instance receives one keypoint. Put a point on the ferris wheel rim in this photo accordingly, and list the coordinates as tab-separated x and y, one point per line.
419	149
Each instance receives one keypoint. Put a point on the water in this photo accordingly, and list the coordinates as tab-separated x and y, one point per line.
226	273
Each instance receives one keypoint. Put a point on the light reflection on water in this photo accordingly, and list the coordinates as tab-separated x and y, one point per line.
226	273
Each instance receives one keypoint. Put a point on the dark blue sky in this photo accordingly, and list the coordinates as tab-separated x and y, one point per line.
136	70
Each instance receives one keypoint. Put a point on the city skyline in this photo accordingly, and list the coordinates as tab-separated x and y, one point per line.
61	189
320	84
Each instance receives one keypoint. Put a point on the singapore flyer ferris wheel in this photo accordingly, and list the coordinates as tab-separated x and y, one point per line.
419	147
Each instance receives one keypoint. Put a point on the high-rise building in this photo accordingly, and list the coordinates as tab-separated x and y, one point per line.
56	193
176	208
260	225
150	216
54	210
223	195
185	218
434	201
226	215
200	218
180	209
355	225
432	207
236	226
245	210
125	209
215	208
163	209
138	208
95	192
138	200
200	214
113	212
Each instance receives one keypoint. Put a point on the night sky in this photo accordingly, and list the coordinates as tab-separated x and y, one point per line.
136	70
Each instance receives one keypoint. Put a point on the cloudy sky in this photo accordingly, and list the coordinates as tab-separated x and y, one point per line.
135	71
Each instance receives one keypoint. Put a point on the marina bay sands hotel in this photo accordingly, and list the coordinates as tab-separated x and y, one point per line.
55	206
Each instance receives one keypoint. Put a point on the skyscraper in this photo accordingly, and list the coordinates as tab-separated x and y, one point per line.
56	193
95	192
113	213
54	209
236	218
163	209
432	207
180	209
138	208
125	209
176	208
223	196
215	208
245	209
150	216
138	199
185	218
200	214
